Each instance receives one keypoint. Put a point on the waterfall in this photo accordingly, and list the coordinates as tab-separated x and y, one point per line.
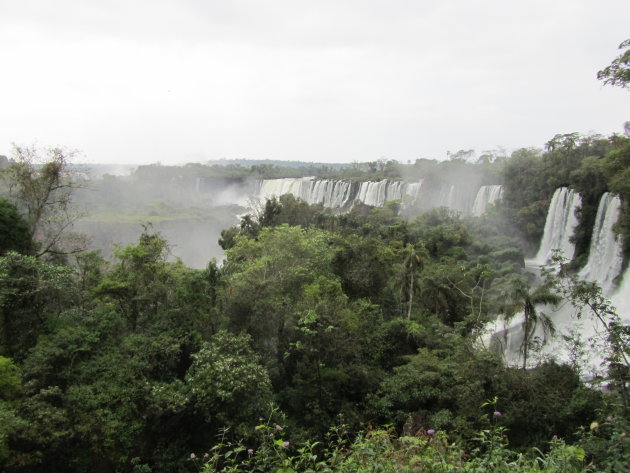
412	190
560	224
376	193
336	193
603	266
445	196
372	193
420	195
277	187
559	228
621	298
605	255
330	193
486	195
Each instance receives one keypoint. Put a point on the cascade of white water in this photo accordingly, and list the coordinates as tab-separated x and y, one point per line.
449	196
336	193
394	191
412	190
451	199
277	187
560	225
341	194
373	193
603	266
605	255
330	193
410	194
621	298
485	196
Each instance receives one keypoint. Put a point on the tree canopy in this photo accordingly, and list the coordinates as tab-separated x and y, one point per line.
618	72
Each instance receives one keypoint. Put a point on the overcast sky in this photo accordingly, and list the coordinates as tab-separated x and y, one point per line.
175	81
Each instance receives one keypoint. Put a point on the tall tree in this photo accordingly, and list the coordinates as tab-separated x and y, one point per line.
413	263
522	298
42	188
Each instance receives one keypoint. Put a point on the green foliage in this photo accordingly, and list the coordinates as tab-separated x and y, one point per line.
10	379
616	168
32	295
590	164
107	375
383	451
440	389
42	189
542	402
607	442
361	318
226	382
618	73
142	283
364	265
10	387
263	281
588	300
328	373
518	297
14	233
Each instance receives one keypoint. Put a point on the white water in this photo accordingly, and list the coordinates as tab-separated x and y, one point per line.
605	255
559	226
621	298
485	196
338	193
376	193
603	266
330	193
412	193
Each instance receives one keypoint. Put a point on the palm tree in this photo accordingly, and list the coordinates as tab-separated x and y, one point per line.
520	297
412	263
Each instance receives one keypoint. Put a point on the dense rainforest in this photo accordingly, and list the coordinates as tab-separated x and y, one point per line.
325	340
